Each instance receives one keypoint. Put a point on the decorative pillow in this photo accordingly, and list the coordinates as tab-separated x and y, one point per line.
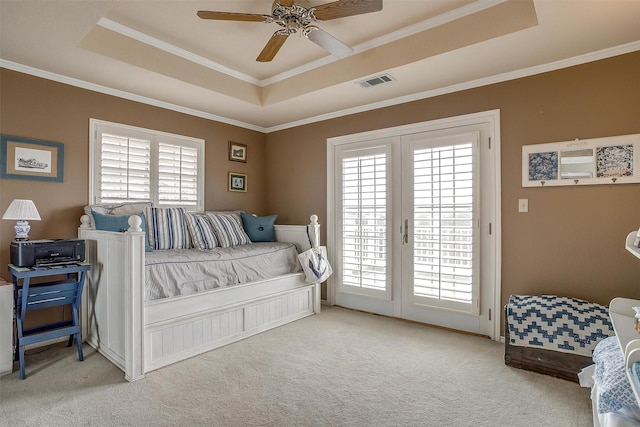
228	229
236	213
167	228
259	228
119	223
119	208
200	231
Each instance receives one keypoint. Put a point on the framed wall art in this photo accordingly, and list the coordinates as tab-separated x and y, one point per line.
238	182
31	159
237	152
610	160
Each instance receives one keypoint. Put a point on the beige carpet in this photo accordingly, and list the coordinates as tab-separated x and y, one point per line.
339	368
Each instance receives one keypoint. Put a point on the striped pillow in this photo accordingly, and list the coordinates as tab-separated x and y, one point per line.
167	228
200	231
228	229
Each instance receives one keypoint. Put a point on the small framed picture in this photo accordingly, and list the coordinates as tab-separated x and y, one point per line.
238	182
31	159
237	152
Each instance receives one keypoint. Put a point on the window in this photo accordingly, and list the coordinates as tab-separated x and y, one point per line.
133	164
364	218
444	222
362	202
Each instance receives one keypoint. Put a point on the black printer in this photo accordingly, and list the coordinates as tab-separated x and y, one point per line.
46	252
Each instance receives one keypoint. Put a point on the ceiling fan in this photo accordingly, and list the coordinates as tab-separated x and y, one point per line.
298	16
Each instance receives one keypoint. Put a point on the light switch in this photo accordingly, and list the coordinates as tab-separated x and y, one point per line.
523	205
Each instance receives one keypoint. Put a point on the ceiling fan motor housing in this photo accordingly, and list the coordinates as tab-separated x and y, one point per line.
293	18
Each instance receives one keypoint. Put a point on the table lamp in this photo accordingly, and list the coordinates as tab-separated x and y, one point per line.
22	211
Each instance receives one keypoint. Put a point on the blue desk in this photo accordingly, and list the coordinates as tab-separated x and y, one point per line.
28	297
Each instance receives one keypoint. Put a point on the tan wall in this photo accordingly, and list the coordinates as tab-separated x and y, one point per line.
572	240
41	109
570	243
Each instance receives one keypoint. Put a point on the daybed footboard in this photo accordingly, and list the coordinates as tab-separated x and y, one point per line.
139	337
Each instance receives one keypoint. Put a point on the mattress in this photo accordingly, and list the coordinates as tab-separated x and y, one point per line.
175	272
561	324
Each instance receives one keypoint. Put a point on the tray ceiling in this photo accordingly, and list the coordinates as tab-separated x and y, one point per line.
163	54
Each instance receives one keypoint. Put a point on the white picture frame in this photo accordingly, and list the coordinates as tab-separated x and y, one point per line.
608	160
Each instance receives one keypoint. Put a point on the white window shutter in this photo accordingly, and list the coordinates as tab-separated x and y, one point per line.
125	168
364	222
177	174
135	164
444	223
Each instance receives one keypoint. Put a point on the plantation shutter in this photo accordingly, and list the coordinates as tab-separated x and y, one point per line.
125	173
130	164
177	174
365	221
444	224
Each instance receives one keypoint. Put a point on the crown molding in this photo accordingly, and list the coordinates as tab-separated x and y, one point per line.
472	84
174	50
122	94
526	72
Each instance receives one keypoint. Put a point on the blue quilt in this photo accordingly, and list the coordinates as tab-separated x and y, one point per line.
614	390
568	325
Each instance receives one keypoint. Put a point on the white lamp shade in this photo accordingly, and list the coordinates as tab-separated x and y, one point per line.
21	209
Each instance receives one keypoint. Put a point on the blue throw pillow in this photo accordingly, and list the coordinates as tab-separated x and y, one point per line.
259	228
119	223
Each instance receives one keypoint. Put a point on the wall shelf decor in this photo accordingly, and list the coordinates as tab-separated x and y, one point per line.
609	160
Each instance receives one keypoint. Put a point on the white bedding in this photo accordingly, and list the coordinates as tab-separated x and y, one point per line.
187	271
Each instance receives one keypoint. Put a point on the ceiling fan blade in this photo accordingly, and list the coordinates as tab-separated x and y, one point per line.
230	16
344	8
273	46
327	41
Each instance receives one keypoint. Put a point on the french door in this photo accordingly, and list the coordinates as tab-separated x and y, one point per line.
414	224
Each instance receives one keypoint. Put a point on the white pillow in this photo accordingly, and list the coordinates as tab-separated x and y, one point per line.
167	228
228	229
200	231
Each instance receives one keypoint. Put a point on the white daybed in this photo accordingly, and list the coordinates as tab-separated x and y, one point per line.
139	336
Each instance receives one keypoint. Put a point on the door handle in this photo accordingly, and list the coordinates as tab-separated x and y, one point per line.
406	231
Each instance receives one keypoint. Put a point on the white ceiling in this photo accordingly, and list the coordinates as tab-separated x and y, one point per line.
161	53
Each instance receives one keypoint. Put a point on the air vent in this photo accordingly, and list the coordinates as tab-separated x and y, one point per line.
375	81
